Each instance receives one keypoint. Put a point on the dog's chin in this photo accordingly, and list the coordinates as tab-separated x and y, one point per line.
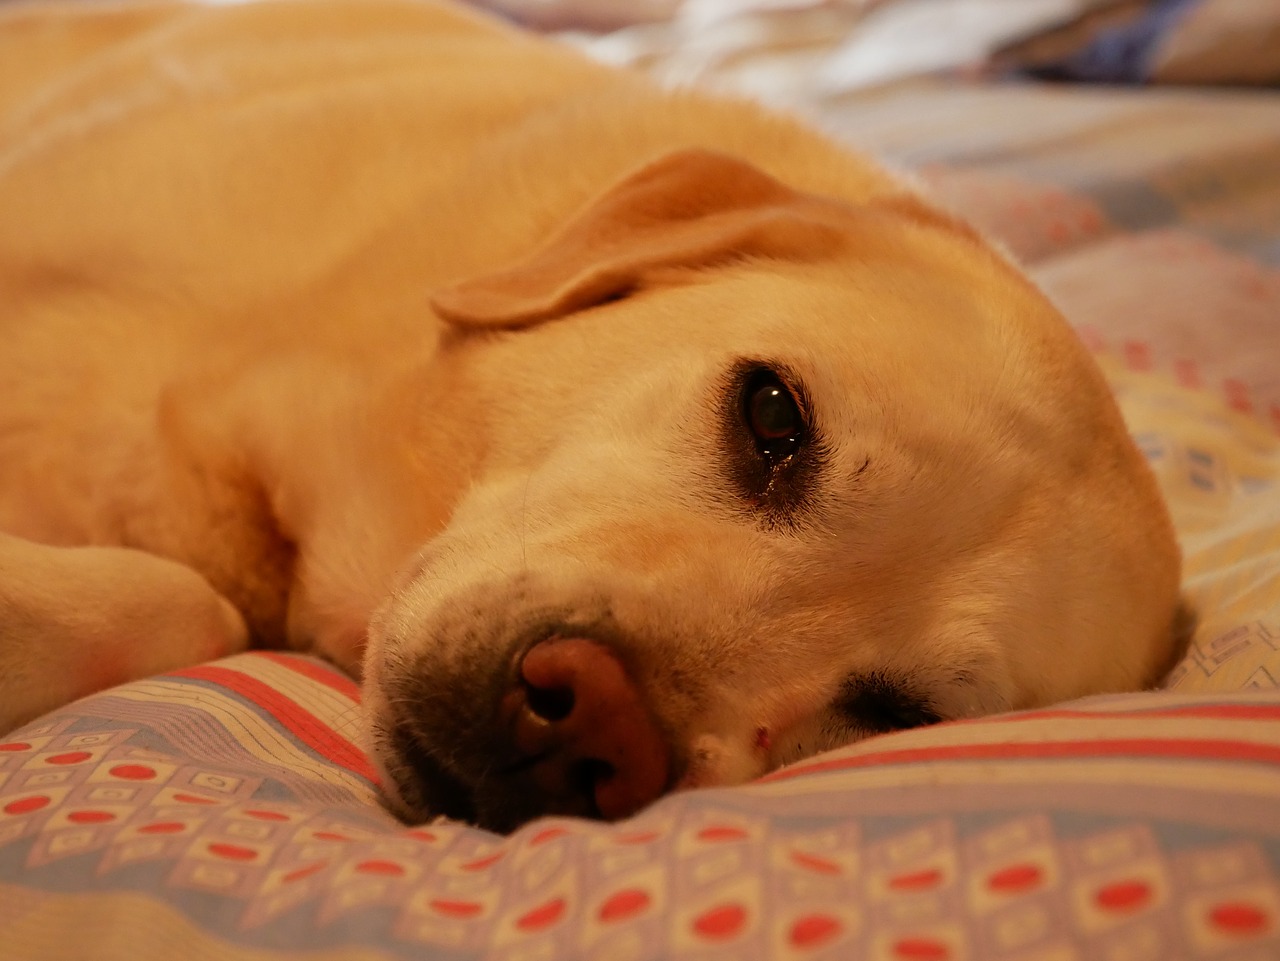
417	788
491	789
418	785
427	790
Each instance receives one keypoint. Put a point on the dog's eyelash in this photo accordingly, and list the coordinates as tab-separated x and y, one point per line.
880	703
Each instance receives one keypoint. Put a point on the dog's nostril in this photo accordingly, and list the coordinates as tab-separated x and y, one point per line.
549	703
583	730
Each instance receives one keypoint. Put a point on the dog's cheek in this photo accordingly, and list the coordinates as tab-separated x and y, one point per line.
387	657
376	740
386	652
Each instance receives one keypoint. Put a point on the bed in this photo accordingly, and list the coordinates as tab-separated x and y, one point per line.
228	811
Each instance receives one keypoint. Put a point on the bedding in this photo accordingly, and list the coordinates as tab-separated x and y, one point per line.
1171	41
789	51
228	811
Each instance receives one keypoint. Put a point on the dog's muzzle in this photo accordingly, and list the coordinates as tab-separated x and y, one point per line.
567	731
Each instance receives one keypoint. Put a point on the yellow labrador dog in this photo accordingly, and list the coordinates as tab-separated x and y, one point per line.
625	441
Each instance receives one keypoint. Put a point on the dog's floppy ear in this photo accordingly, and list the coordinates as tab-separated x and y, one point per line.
687	208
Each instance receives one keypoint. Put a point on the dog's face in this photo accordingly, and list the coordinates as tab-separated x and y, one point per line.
852	480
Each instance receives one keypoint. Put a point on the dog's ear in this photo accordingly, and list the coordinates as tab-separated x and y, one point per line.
689	208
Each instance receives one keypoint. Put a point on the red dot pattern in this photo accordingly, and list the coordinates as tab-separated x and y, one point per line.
639	837
921	949
542	917
389	869
26	805
184	798
812	862
813	931
1239	918
162	827
298	874
232	852
90	817
829	897
1123	896
720	923
456	909
1016	879
925	880
69	757
263	815
624	905
133	772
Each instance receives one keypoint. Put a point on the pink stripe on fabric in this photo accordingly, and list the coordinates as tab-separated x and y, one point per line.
329	677
1230	712
296	719
1136	748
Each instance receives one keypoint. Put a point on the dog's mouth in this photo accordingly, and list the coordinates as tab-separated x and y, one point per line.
558	717
423	785
565	730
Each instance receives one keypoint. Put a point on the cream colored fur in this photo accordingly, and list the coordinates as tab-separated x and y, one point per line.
269	312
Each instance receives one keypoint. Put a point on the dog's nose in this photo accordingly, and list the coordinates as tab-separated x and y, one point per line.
582	725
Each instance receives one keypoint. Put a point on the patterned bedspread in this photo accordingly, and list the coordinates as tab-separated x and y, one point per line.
228	811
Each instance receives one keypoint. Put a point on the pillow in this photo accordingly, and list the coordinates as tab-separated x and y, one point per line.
227	812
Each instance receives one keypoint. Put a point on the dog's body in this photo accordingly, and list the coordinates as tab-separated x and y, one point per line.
758	451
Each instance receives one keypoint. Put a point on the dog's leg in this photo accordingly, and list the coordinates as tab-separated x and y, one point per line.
74	620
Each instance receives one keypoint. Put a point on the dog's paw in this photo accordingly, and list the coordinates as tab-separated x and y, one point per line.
77	620
151	614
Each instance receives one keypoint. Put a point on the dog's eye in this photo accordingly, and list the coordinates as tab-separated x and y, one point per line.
773	415
772	443
880	704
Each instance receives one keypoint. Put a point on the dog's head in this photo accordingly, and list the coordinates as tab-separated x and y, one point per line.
766	474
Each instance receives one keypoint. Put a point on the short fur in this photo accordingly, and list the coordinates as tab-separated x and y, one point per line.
418	340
